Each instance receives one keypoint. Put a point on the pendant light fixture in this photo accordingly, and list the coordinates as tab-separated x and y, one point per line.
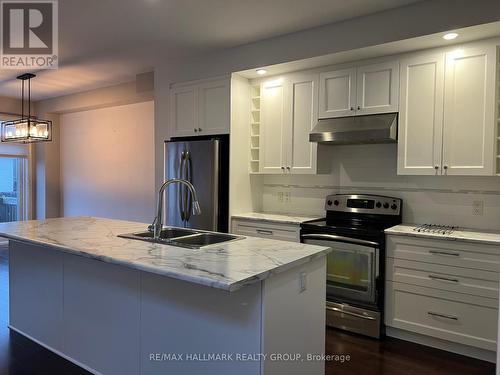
27	129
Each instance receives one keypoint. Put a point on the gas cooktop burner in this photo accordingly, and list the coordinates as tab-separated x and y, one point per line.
435	229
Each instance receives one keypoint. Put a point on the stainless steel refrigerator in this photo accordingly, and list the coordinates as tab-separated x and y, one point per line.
204	161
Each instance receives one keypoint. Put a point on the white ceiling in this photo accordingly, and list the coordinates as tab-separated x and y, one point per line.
103	42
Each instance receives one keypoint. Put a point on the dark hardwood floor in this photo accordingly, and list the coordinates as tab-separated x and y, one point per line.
395	357
20	356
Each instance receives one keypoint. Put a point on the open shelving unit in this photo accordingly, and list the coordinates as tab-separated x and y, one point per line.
255	129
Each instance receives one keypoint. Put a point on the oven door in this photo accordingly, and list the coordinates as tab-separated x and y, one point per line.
352	267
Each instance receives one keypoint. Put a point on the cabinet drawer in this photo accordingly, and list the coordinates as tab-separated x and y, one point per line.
266	230
446	252
458	319
454	279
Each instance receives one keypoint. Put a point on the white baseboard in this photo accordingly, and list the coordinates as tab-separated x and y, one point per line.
465	350
79	364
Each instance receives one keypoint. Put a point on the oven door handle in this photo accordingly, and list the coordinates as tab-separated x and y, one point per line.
336	309
333	237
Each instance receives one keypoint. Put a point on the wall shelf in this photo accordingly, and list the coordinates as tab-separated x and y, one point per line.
254	129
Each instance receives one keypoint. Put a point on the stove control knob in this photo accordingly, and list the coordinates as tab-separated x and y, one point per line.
329	203
386	205
394	206
336	202
378	205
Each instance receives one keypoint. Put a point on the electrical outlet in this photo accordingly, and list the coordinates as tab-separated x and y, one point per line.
280	196
288	197
478	208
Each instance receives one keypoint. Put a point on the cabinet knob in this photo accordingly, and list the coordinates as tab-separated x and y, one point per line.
283	168
359	107
445	167
200	129
288	168
436	167
352	108
195	130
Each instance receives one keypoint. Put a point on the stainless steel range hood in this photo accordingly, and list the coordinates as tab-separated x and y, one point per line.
357	129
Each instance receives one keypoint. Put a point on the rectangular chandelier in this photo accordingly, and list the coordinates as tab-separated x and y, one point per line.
27	129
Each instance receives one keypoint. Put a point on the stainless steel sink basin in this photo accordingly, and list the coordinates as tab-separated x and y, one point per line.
166	234
189	238
203	239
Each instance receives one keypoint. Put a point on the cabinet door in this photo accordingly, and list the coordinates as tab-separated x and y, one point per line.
213	107
469	112
421	115
377	88
274	122
337	93
183	110
302	154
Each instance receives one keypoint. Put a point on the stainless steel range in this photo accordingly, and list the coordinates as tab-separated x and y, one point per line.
354	229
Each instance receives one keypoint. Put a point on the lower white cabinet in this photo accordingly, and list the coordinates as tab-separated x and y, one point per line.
443	289
456	317
264	229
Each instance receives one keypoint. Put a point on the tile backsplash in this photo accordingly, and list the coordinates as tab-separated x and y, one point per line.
372	169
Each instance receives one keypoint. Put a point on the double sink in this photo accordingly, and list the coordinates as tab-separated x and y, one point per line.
182	237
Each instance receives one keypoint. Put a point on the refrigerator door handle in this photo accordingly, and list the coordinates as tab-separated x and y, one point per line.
216	185
181	175
189	177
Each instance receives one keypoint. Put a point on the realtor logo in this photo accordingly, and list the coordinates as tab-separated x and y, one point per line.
29	34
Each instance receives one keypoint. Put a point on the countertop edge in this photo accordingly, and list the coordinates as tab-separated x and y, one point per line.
451	237
200	280
274	220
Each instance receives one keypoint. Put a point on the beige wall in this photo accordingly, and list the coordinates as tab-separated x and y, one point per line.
106	162
10	106
48	184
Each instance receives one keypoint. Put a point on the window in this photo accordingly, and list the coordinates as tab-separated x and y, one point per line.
13	188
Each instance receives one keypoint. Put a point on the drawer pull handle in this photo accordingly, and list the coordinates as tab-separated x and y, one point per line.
446	316
434	277
436	252
266	232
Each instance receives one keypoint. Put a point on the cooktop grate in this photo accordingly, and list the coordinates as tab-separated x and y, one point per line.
435	228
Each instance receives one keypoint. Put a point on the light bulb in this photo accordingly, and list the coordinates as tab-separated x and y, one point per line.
450	36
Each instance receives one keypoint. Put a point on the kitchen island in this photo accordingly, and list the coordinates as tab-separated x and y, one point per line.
121	306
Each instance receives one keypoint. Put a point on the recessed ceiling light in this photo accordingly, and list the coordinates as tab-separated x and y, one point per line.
261	72
450	36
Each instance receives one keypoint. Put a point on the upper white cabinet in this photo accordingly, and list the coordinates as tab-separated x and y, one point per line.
288	112
421	115
302	154
377	88
183	113
200	108
274	117
361	90
469	112
447	117
337	92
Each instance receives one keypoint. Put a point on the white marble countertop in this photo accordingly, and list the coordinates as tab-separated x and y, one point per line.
226	266
275	218
461	234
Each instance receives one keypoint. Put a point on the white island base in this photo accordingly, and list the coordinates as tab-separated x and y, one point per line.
111	319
